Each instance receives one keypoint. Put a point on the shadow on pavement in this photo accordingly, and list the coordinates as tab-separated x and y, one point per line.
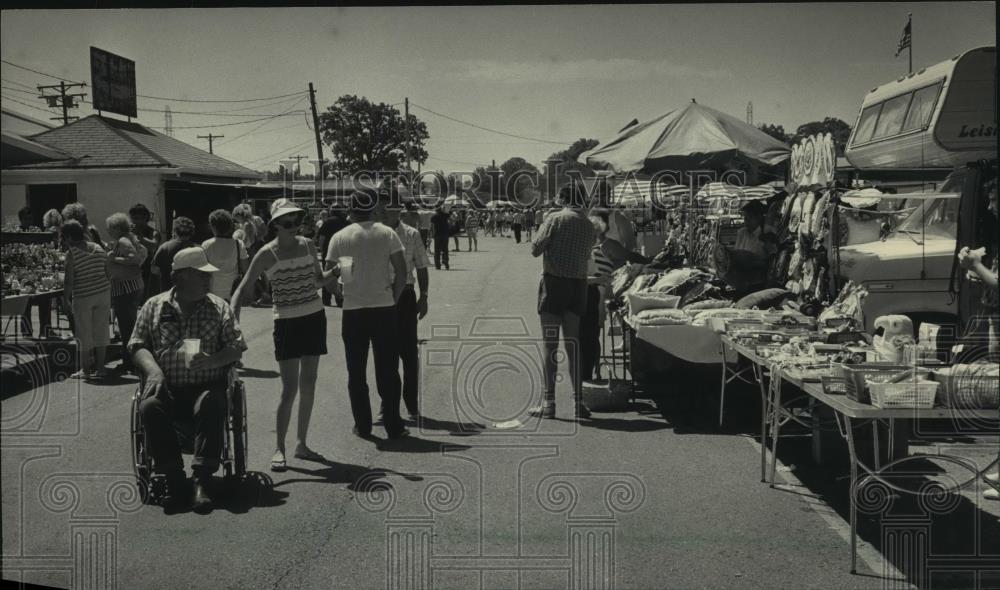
624	424
412	444
334	472
251	373
452	428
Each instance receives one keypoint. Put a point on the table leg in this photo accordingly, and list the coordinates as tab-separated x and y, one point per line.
775	410
764	413
854	500
722	385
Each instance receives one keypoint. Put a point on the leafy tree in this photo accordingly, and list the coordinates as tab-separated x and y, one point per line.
519	177
368	136
840	130
561	166
487	182
775	131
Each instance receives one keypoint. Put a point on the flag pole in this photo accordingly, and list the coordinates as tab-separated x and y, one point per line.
909	24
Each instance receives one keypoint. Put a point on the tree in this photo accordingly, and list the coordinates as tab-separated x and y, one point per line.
558	166
487	183
519	177
775	131
840	130
365	136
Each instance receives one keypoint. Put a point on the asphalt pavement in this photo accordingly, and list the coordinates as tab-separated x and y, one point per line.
481	496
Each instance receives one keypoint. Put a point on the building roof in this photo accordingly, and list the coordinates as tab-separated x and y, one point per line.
102	142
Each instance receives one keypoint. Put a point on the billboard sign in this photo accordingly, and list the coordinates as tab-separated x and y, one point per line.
113	80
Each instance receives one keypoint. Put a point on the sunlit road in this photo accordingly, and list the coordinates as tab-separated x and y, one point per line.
622	500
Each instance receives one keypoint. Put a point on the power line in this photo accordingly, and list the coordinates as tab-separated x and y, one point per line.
215	114
227	124
35	93
265	123
490	130
456	161
287	149
37	72
162	97
30	106
223	101
23	85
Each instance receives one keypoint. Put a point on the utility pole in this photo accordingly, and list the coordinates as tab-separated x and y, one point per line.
406	120
298	158
62	99
210	138
319	144
750	113
168	121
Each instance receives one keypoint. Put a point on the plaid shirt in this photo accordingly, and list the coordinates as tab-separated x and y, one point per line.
161	328
565	240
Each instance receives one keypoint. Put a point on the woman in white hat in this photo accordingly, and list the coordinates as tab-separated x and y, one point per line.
292	266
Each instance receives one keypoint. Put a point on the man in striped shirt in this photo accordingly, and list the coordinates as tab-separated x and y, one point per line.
472	230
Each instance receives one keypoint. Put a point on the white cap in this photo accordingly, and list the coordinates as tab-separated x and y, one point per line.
193	258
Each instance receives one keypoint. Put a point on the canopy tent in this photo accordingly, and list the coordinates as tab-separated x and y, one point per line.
642	193
456	201
688	138
730	192
497	204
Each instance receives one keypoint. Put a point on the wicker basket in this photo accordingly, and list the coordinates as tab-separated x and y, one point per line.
908	394
856	375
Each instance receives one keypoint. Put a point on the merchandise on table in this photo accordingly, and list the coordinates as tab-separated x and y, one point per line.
31	268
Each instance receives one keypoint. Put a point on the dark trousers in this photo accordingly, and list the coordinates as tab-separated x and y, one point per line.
590	334
517	232
206	406
440	251
373	327
406	337
126	308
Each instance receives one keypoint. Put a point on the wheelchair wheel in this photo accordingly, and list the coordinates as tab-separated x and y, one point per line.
238	429
141	462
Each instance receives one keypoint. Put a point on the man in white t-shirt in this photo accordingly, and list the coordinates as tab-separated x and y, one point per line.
369	259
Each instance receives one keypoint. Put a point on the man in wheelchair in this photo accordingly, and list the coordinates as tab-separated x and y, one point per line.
185	342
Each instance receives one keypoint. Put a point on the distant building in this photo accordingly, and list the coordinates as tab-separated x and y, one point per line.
108	165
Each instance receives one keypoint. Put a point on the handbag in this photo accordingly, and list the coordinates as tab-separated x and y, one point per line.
239	275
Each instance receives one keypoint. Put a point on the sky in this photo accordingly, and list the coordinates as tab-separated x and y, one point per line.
551	74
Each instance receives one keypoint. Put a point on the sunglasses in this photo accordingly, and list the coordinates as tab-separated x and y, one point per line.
290	223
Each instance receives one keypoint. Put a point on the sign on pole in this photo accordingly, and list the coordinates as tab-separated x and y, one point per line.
112	78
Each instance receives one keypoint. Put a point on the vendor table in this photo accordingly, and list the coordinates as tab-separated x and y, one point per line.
852	412
848	414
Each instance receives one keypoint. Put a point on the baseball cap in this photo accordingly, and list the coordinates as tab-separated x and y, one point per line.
193	257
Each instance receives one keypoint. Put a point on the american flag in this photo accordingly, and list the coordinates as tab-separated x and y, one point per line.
904	41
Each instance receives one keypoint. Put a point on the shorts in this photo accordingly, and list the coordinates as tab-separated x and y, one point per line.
471	232
557	295
298	337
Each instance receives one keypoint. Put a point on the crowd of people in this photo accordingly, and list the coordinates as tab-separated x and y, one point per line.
177	306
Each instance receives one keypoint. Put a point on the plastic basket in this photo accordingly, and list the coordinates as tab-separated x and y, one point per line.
855	376
908	394
833	385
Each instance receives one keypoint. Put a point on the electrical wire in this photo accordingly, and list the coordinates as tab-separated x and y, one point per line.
8	80
225	124
300	92
216	114
287	149
60	78
252	131
454	161
423	108
30	106
32	93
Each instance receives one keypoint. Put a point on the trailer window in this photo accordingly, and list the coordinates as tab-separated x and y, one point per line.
890	122
922	108
867	124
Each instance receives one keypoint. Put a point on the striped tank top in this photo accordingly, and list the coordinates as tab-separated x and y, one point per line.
294	289
90	270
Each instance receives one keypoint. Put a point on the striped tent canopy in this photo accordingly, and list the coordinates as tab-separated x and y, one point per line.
722	190
641	193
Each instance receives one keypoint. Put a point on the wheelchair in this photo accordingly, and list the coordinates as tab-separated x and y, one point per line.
152	486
